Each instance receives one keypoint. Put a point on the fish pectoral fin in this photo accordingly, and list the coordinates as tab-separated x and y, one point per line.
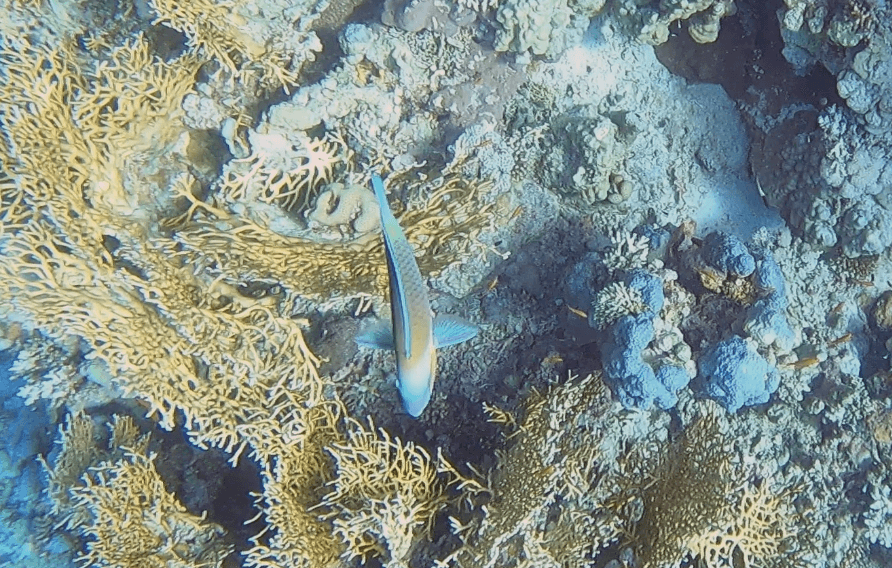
378	336
449	330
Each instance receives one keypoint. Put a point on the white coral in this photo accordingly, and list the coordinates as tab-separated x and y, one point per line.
350	207
614	301
627	251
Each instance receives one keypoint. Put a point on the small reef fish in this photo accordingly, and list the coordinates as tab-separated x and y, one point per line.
413	333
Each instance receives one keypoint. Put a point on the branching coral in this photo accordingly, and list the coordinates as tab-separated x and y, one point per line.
235	376
70	126
115	499
545	464
689	495
79	271
343	490
271	54
699	504
294	480
384	495
443	228
757	533
286	171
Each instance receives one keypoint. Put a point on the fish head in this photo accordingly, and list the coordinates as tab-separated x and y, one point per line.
415	378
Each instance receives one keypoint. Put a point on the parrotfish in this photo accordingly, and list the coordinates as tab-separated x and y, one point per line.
413	333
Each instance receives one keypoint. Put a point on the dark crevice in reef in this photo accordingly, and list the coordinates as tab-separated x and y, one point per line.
747	61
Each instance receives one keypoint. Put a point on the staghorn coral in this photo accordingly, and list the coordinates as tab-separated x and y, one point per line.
115	500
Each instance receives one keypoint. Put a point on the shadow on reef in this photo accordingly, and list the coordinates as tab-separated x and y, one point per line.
751	43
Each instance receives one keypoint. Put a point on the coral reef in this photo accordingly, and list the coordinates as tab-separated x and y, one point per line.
115	500
736	375
186	233
543	28
661	502
646	356
652	19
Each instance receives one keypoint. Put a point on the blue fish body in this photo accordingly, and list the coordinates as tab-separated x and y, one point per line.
413	333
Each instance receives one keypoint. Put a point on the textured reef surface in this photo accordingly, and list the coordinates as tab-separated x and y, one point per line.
671	221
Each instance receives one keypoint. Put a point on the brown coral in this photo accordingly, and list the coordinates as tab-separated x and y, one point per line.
545	463
689	495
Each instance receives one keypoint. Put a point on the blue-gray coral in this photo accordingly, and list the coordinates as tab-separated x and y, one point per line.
736	375
728	253
766	320
631	379
636	382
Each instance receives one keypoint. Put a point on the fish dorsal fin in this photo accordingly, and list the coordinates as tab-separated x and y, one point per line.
392	231
378	336
449	330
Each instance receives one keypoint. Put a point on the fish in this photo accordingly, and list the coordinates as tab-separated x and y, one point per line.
414	334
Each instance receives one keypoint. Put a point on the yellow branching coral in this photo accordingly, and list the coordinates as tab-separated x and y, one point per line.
135	523
343	490
384	495
81	272
545	463
272	53
443	229
236	377
70	127
757	534
293	482
114	498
